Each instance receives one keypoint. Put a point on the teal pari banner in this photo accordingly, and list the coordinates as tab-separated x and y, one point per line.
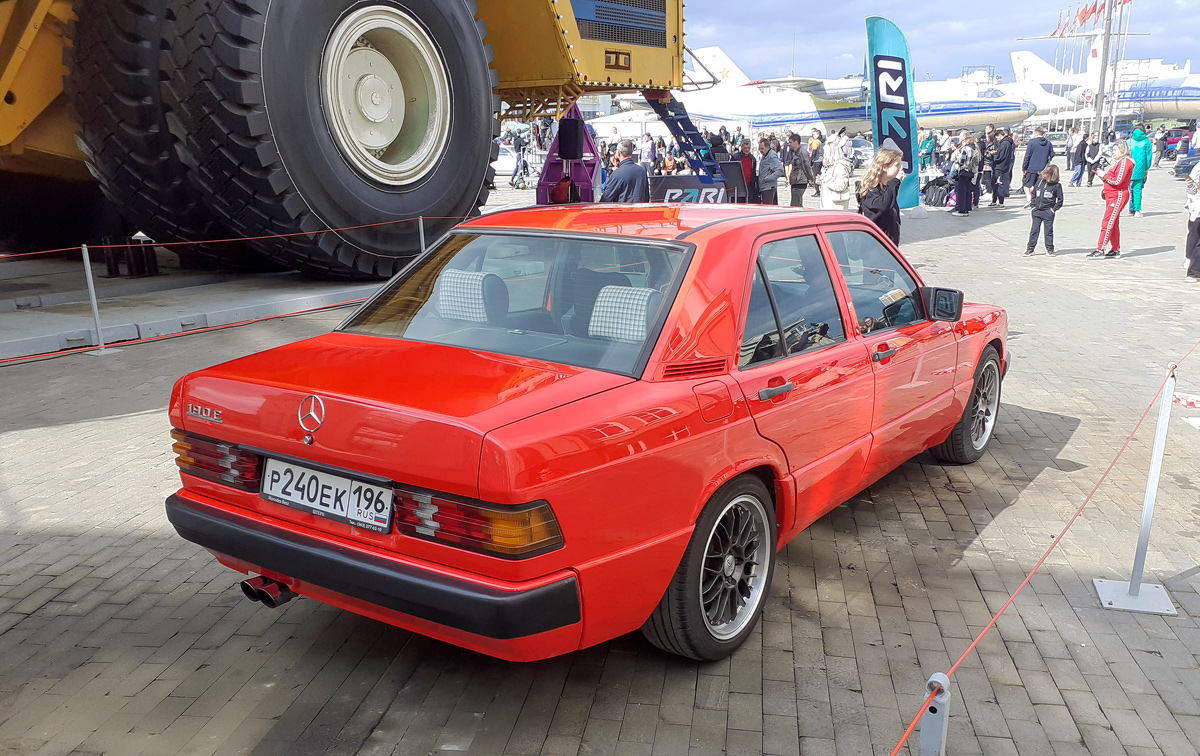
893	120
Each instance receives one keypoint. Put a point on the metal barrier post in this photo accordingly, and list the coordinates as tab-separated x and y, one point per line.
1134	596
421	231
87	271
936	719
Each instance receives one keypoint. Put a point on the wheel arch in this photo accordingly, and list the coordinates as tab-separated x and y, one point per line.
772	473
998	344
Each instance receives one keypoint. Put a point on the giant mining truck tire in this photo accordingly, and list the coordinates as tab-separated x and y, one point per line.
302	116
114	88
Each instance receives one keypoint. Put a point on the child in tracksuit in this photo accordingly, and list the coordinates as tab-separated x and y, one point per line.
1047	198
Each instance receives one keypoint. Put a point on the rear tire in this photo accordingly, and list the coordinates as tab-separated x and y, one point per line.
969	440
250	80
114	89
716	597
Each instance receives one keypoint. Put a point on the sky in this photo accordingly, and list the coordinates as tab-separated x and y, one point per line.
943	36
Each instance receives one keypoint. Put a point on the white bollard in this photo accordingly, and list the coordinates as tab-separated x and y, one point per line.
1134	596
421	231
87	271
936	719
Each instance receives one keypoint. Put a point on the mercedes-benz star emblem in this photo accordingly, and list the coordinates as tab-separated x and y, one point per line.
311	413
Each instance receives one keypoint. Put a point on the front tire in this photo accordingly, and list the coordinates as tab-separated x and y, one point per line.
716	597
255	84
969	440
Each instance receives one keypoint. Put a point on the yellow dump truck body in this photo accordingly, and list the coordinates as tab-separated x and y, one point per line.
277	121
36	132
546	55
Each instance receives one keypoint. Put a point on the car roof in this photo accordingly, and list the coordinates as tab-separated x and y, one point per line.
653	220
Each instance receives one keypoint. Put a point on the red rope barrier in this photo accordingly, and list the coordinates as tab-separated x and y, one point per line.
206	329
40	252
1053	544
231	240
1023	276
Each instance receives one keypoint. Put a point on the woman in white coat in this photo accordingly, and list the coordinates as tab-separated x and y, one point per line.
1192	247
835	176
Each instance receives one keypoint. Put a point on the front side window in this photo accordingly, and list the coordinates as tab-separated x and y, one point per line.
574	301
884	294
802	300
760	342
803	292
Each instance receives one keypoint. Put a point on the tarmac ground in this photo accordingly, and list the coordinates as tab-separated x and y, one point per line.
118	637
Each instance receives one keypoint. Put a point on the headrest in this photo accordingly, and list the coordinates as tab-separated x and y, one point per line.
624	313
472	296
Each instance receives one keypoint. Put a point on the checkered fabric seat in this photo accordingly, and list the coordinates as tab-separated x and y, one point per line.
473	296
624	313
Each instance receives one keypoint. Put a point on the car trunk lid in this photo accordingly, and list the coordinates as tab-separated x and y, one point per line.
412	412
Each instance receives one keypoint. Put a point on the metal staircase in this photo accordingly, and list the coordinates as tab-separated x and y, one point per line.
671	112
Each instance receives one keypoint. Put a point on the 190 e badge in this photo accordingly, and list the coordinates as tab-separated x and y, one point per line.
204	413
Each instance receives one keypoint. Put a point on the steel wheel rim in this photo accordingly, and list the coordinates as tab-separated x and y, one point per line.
733	570
386	95
985	402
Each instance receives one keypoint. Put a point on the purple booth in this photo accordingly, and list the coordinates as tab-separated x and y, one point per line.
584	169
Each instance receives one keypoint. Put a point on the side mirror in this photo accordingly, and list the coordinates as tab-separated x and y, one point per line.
942	304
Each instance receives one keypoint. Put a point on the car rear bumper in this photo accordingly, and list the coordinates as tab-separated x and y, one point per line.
393	585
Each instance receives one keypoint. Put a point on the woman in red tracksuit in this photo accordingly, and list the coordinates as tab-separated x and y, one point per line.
1116	196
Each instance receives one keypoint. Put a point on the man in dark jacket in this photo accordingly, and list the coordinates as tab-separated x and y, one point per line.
1160	145
1092	157
1038	154
518	146
800	173
629	182
1006	155
1080	160
749	165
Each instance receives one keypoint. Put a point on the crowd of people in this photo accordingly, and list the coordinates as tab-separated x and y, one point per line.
984	164
979	165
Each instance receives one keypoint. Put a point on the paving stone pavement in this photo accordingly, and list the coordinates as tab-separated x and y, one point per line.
118	637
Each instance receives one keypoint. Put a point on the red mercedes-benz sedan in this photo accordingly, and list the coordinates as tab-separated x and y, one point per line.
560	425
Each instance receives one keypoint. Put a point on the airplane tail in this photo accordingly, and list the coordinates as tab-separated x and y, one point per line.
1094	62
720	65
1028	67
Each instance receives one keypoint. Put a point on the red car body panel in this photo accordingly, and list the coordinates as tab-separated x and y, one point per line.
626	464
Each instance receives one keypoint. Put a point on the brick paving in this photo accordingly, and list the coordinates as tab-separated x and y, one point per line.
118	637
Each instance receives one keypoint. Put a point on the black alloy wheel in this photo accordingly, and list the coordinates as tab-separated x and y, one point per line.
716	597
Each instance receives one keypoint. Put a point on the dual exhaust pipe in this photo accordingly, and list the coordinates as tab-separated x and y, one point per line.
266	591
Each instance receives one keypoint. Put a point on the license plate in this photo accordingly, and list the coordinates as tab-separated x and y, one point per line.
333	496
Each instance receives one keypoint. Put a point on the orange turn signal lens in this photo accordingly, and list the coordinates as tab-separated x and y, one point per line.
512	532
217	461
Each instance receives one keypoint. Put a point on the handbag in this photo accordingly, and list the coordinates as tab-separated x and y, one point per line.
561	193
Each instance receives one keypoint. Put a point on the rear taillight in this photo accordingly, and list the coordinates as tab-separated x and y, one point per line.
522	531
217	461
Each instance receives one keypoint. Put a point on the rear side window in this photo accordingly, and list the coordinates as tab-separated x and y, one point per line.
574	301
884	294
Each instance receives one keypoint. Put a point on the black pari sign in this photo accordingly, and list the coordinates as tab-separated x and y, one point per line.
690	189
893	121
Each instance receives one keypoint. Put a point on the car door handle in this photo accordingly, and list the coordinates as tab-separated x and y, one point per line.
768	393
883	354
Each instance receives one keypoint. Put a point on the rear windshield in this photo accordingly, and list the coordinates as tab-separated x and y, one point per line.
593	303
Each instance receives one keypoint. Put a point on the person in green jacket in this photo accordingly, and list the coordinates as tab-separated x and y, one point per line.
925	151
1142	153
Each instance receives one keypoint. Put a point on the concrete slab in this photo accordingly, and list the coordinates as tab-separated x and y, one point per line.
44	300
46	281
31	331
